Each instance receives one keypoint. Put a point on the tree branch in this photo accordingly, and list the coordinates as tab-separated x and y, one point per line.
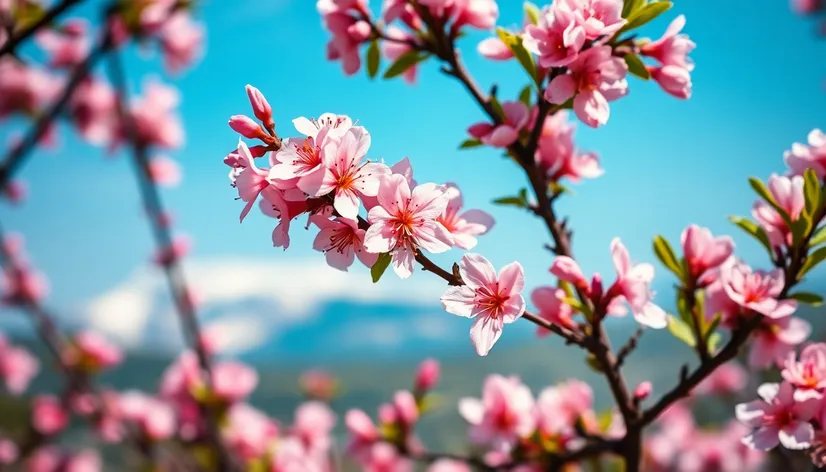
49	16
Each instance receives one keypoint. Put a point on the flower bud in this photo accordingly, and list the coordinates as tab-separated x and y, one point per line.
260	107
427	376
642	391
246	127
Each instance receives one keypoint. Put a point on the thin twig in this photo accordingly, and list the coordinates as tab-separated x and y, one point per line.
49	16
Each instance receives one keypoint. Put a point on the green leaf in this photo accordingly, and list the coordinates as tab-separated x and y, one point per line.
811	191
27	14
373	59
812	261
681	331
406	61
525	95
497	107
593	363
470	143
753	230
763	192
636	66
819	237
630	6
644	14
807	298
380	266
532	12
514	43
713	341
512	201
666	255
711	325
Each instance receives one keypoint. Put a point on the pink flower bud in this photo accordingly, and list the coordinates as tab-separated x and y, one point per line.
388	414
246	127
48	415
359	31
233	381
260	107
427	375
406	408
642	391
164	171
675	80
568	270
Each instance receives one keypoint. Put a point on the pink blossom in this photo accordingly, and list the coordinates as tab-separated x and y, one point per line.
494	300
703	251
777	418
774	339
345	175
480	14
405	222
597	17
557	155
317	384
276	205
717	302
558	37
596	77
673	48
559	408
719	450
248	431
250	180
48	415
807	6
348	33
93	352
93	108
21	284
728	379
548	301
427	375
177	249
247	127
402	168
154	15
233	381
154	117
808	375
260	106
675	80
448	465
165	171
155	418
507	133
16	191
342	241
642	390
9	452
787	192
24	88
67	46
811	156
401	9
567	269
326	7
181	41
395	48
314	422
17	367
502	416
383	457
632	283
463	227
363	433
300	159
494	49
756	290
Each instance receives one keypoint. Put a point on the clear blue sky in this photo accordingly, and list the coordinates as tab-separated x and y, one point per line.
758	87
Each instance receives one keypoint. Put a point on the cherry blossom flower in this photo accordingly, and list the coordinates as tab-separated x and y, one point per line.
558	37
260	106
405	221
548	301
427	375
314	422
25	89
348	33
597	17
632	283
502	416
181	41
154	418
154	118
596	77
248	432
557	155
48	415
463	227
728	379
250	180
775	339
703	251
276	205
363	433
164	171
494	300
808	375
233	381
675	80
93	108
398	46
672	48
17	367
342	241
480	14
811	156
67	46
560	407
448	465
505	134
494	49
756	290
777	418
788	193
91	351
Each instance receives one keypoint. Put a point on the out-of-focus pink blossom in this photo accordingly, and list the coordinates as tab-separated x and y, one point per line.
314	422
557	155
9	452
596	77
318	385
811	156
728	379
154	418
348	31
427	375
93	108
233	381
16	191
503	135
66	46
248	431
548	301
775	339
494	300
632	283
502	416
448	465
383	457
405	221
181	245
703	251
154	116
465	226
494	49
401	9
49	417
17	367
25	89
808	375
778	418
363	433
806	7
788	194
400	45
756	290
165	171
560	407
181	41
642	390
92	352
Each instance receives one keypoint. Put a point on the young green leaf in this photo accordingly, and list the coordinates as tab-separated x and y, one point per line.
380	266
712	325
532	12
630	6
681	331
470	143
666	255
636	66
512	201
763	192
819	237
811	191
812	261
406	61
645	14
525	95
497	107
514	43
753	230
713	341
807	298
373	59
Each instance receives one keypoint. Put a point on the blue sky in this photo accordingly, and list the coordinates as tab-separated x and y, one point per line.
758	87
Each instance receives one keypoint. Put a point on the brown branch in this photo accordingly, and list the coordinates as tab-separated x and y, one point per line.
628	348
49	16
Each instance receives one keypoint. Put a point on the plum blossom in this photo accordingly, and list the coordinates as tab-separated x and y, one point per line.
777	418
463	227
558	37
560	407
494	300
775	339
808	375
405	221
548	301
787	192
703	251
811	156
233	381
248	432
505	134
596	77
363	433
756	290
502	416
342	241
314	422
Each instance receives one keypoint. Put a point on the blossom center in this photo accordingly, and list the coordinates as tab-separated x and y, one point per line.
308	154
491	301
341	239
